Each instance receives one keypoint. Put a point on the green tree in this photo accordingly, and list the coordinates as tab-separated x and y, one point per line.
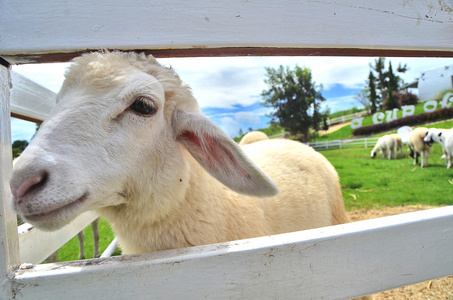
380	79
295	98
372	93
385	77
392	85
18	147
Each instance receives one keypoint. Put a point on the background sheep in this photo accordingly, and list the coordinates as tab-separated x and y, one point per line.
388	145
443	137
252	137
418	147
127	139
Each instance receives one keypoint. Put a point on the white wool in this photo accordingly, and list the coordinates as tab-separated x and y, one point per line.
418	147
389	146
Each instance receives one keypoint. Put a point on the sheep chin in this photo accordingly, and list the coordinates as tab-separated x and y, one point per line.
59	217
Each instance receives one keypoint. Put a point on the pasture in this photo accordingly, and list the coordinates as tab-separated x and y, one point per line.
366	184
378	183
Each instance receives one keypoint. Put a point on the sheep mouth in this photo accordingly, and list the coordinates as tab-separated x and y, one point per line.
58	212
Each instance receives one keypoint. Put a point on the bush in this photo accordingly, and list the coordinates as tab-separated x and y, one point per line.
400	99
441	114
406	98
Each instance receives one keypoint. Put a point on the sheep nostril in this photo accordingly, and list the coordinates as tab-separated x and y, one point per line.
29	184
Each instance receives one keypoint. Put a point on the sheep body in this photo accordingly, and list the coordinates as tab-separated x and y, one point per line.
418	147
128	140
388	145
445	138
310	197
252	137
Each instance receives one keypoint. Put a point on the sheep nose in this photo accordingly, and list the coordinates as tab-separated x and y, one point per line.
31	183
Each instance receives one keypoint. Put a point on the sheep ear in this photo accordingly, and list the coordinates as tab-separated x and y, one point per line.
219	155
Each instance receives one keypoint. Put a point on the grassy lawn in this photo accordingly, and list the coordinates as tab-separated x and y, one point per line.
70	251
366	183
378	183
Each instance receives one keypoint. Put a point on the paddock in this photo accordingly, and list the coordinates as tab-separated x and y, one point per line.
337	262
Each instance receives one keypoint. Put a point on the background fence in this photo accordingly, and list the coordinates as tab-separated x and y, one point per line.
346	143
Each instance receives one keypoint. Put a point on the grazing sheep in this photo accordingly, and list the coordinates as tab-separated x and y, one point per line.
128	140
418	147
252	137
388	145
443	137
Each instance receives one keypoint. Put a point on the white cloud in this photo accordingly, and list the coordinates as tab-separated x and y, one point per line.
247	116
229	82
230	126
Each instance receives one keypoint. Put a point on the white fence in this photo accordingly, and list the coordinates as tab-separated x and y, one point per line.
346	118
346	143
336	262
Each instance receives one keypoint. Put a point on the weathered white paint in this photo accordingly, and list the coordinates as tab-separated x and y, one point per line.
336	262
9	248
78	25
36	245
30	99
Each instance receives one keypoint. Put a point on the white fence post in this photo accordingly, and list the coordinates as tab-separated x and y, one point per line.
9	244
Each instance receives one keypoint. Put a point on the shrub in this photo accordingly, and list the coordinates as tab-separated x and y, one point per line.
441	114
406	98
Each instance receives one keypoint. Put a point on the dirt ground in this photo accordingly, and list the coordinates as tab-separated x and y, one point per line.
333	128
435	289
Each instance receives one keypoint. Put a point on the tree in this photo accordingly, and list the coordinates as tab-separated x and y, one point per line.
296	100
392	85
384	78
18	147
380	80
363	98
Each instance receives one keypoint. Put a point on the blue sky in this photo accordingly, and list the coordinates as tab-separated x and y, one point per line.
228	88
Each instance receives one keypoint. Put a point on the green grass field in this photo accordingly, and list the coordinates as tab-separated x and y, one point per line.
378	183
366	183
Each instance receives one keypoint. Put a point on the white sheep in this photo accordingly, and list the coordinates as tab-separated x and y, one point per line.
443	137
418	147
252	137
388	145
128	140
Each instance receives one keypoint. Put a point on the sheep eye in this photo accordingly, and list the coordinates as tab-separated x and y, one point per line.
143	106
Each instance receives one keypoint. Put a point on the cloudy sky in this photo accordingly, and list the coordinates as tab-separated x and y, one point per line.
228	88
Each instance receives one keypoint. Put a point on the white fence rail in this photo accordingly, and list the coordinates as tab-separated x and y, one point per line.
335	262
341	144
346	118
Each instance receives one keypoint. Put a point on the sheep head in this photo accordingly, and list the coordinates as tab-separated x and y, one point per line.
118	130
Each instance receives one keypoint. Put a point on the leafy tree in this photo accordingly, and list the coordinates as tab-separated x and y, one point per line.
363	98
380	80
373	95
18	147
296	100
392	85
